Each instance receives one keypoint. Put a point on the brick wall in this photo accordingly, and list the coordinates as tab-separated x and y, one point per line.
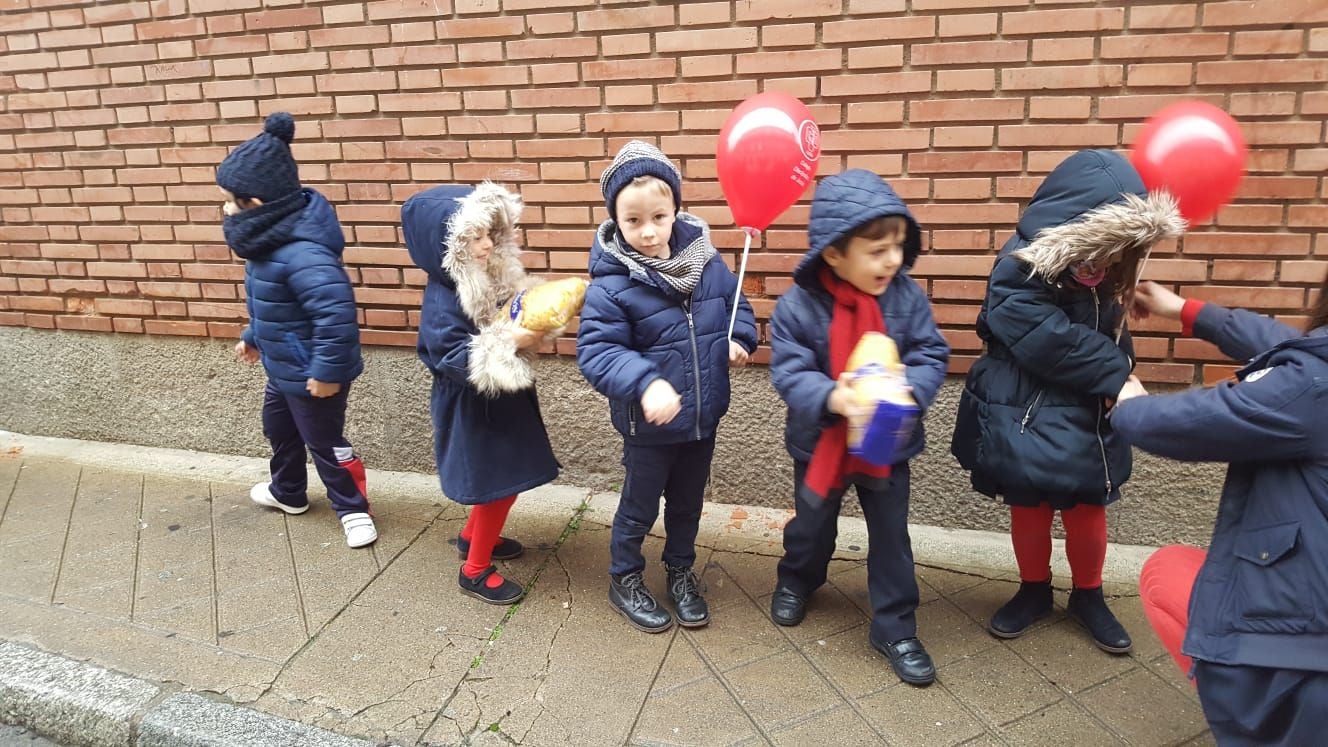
113	115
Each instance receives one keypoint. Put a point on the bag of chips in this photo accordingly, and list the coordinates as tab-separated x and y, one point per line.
891	413
548	306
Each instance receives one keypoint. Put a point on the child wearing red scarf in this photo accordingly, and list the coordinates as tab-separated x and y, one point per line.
854	280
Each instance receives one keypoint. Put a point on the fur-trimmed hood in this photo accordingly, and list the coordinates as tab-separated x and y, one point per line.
439	225
1094	206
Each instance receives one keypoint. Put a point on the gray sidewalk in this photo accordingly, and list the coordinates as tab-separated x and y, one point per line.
156	565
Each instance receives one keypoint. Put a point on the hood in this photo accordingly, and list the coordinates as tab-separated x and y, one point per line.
300	216
439	224
1091	207
609	256
841	204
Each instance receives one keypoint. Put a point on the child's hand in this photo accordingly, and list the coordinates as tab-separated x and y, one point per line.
1151	298
322	388
660	403
843	399
526	339
245	354
1133	388
737	355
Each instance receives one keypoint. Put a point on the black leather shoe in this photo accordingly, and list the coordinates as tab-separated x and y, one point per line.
508	592
1090	608
909	660
1015	617
629	595
693	612
506	549
787	608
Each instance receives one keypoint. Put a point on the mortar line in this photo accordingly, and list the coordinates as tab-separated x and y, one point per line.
13	488
216	587
295	572
728	688
636	719
138	548
64	546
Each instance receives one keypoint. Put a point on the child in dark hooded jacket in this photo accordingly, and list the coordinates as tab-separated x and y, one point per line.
1032	425
301	325
489	438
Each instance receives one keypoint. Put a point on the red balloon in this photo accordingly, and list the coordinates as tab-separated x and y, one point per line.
1195	151
767	155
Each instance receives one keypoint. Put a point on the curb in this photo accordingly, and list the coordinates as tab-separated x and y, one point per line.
753	529
83	704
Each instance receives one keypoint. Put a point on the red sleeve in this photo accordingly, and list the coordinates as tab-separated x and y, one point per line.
1188	313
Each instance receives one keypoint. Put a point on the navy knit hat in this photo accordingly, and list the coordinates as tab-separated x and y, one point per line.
639	158
263	167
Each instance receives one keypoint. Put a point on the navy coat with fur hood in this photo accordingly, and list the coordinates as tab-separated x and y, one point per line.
1032	424
1261	598
635	329
489	437
300	302
800	328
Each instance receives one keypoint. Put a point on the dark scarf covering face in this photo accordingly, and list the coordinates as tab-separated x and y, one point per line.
680	273
257	231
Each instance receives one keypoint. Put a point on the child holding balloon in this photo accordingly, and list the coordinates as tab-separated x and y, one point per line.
653	339
1032	425
853	281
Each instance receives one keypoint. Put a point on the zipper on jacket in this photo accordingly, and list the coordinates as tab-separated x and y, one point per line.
696	362
1028	414
1106	469
631	419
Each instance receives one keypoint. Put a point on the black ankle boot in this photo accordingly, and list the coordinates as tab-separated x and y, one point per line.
693	612
629	595
1031	602
1090	608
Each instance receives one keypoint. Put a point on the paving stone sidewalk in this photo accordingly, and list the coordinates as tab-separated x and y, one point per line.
180	580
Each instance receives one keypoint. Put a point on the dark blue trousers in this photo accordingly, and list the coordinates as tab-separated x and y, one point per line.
809	543
1258	706
293	423
679	472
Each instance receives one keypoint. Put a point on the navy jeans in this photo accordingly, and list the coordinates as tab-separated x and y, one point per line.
1258	706
291	423
679	472
809	543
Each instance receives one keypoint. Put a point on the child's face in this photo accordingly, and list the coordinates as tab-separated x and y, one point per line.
867	264
231	204
481	248
645	217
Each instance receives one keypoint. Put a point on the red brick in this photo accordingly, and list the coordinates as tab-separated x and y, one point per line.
942	110
894	29
969	53
550	48
629	69
695	92
1045	135
419	102
1264	13
1263	72
632	122
478	28
789	35
883	111
500	124
438	54
625	18
965	80
977	162
706	40
1246	243
551	23
1265	43
1140	107
161	327
880	83
1136	46
1043	22
1084	76
698	13
1163	16
486	76
752	10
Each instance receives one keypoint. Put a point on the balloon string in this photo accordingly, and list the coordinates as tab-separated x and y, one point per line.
1138	277
742	271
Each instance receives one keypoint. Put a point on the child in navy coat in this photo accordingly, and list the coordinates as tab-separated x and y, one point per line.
653	339
854	280
301	325
489	438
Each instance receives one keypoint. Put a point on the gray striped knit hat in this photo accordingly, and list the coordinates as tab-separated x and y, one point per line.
638	158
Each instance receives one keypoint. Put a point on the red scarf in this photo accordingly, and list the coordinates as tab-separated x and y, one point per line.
855	314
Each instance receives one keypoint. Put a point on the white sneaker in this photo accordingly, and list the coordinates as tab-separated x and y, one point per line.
360	529
262	495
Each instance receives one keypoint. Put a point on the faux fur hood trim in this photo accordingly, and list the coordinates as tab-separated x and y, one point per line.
481	290
1128	228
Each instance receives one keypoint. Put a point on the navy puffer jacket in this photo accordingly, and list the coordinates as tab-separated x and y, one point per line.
635	329
301	306
1032	424
800	328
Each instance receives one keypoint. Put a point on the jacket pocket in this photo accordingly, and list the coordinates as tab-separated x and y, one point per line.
1274	591
298	352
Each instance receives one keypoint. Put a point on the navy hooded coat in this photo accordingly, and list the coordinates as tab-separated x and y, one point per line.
1261	597
300	302
489	438
800	328
635	329
1032	424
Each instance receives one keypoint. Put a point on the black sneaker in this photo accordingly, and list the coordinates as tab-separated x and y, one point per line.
629	595
506	549
1031	603
787	608
909	659
693	612
508	592
1090	608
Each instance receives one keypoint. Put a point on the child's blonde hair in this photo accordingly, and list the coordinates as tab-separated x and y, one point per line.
661	186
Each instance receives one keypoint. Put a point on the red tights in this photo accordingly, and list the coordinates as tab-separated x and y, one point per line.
481	531
1085	542
1164	588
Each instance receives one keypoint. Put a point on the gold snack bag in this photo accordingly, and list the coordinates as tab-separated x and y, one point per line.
882	389
548	306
